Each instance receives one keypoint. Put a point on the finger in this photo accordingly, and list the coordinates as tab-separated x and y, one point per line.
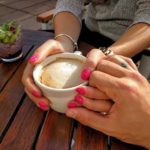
90	118
48	48
41	102
130	62
28	82
122	61
91	92
112	68
95	105
105	83
93	58
91	62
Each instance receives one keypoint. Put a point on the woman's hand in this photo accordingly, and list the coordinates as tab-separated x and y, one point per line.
129	117
102	103
50	47
93	57
91	97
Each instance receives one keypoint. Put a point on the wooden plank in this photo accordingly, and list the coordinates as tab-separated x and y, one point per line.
46	16
89	139
10	96
8	69
56	133
18	128
13	91
23	131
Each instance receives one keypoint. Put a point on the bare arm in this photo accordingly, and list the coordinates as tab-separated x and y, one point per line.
67	23
133	41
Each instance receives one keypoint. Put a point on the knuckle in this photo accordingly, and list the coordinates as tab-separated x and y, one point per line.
92	51
129	85
94	74
102	62
129	60
135	75
93	78
91	63
85	120
87	104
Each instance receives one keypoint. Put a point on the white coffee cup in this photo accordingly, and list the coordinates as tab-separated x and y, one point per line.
59	98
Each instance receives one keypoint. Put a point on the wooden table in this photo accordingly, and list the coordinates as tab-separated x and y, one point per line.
23	126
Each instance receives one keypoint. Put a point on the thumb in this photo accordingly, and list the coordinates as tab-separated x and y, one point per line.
48	48
91	62
90	118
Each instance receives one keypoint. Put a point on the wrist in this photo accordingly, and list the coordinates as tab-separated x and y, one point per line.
66	44
67	41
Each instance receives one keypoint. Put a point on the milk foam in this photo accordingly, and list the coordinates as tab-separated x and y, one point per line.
62	73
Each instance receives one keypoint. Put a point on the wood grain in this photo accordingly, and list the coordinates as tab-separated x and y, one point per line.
24	128
11	96
89	139
56	133
8	69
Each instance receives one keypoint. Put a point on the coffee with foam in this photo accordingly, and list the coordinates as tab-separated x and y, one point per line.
62	73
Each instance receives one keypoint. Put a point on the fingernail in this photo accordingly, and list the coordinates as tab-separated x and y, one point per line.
85	74
43	105
80	90
72	105
36	94
71	113
33	58
79	99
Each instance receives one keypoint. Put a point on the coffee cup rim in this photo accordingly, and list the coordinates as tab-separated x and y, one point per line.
53	57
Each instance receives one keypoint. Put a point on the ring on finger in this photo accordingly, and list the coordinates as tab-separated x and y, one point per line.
124	65
121	62
104	113
106	51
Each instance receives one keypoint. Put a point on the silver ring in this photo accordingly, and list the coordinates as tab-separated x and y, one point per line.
106	51
124	65
104	113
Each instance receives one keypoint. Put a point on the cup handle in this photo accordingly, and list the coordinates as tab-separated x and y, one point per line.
77	52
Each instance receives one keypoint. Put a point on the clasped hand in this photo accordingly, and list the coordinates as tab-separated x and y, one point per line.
120	91
116	102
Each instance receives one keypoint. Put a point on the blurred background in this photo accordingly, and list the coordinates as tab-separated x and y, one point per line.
24	11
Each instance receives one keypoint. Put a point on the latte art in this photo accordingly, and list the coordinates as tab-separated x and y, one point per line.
62	73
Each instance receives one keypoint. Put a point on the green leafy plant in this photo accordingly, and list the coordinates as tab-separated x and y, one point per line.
9	32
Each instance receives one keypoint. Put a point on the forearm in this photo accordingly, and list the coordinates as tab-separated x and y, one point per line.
67	23
133	41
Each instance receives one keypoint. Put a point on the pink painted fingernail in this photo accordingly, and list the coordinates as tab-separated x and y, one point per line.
33	58
79	99
36	94
43	105
72	105
80	90
85	74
